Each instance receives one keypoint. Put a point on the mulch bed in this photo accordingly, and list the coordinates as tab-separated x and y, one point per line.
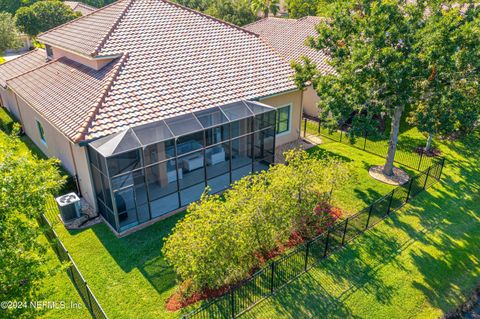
431	153
176	301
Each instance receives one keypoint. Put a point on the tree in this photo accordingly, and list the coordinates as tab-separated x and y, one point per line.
26	183
43	16
449	79
371	44
265	6
301	8
234	11
8	32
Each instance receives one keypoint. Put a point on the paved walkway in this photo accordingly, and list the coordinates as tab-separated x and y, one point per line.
11	56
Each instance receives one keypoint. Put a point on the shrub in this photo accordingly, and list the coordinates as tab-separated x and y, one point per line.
222	238
6	121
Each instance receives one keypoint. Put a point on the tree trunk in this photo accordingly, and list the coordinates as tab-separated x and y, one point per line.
429	142
392	144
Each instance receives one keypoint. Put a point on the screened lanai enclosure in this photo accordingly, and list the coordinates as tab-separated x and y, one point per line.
147	171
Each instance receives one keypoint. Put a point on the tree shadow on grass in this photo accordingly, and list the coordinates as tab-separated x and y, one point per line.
142	250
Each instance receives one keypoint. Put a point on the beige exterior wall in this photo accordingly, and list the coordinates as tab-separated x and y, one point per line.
8	100
94	64
72	156
295	100
310	100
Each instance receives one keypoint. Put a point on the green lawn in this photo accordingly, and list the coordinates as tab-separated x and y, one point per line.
420	263
134	266
129	275
59	288
363	189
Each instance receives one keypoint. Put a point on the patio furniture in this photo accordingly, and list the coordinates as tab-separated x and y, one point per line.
193	162
215	155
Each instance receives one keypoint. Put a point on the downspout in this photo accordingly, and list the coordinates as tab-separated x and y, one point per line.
299	130
18	108
75	168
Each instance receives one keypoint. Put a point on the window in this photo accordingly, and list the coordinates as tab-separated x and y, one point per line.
283	119
41	133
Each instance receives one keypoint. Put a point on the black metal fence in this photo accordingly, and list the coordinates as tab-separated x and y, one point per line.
281	271
406	150
75	276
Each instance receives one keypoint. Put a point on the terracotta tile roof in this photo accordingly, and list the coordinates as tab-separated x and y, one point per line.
80	7
22	64
288	37
66	93
86	34
179	61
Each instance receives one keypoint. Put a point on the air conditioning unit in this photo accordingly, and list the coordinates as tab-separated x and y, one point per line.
69	206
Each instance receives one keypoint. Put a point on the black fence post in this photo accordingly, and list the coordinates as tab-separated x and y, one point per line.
441	168
409	189
307	251
232	301
319	126
420	161
426	178
272	268
369	214
345	230
326	244
341	136
390	202
305	127
88	294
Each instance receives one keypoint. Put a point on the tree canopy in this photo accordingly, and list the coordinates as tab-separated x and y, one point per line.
449	78
219	240
8	32
234	11
301	8
26	183
267	7
43	15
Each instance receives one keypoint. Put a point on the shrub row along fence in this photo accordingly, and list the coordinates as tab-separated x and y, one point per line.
280	272
72	270
406	149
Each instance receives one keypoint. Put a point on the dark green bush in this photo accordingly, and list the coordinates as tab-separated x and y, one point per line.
6	120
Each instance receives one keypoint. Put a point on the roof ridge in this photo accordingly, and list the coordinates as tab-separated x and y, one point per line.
99	101
267	18
81	4
114	26
210	17
81	17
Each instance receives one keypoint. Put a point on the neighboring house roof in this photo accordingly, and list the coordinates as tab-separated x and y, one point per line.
288	37
174	61
80	7
21	64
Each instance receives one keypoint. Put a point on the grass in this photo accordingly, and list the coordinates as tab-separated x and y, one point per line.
420	263
2	60
129	276
134	265
359	194
57	287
